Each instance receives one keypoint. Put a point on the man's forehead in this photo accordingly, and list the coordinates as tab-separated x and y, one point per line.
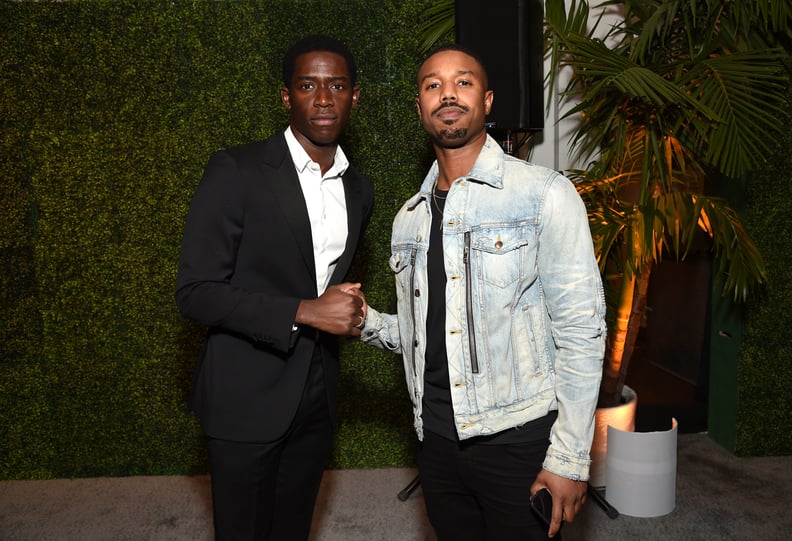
316	63
438	72
462	63
320	57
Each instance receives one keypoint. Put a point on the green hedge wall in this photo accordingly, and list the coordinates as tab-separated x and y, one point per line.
108	113
764	423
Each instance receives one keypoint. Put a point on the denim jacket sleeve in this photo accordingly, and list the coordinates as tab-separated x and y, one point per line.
575	302
381	330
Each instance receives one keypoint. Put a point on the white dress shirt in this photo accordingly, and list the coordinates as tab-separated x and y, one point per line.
324	197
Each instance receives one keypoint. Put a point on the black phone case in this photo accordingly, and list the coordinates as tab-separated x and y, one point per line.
542	505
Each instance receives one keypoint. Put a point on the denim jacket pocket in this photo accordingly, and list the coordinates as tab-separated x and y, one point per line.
497	255
400	260
402	263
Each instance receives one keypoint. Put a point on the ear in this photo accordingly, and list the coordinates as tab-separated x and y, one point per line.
355	95
489	96
418	107
284	92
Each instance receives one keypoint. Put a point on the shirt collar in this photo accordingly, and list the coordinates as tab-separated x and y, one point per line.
301	158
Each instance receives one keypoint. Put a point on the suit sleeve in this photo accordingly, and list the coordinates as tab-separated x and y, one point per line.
212	235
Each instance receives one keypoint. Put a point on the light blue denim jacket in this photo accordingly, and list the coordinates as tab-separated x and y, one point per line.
525	328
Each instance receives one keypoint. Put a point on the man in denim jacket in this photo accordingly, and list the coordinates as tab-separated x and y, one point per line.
500	321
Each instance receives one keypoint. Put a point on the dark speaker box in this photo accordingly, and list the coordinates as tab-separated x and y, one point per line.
507	35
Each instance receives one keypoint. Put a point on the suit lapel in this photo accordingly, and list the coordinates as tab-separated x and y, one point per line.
279	167
279	170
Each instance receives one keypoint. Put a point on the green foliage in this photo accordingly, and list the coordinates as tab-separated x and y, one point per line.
765	370
670	99
437	22
109	112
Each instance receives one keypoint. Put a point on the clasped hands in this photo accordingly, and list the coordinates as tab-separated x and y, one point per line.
340	310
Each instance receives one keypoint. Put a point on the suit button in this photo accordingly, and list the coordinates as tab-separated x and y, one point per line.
417	292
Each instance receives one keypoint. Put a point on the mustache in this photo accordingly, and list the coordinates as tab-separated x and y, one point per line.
444	105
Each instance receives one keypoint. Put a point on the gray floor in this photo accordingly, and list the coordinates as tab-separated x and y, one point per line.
718	497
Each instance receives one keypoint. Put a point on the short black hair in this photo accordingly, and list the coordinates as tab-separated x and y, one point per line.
314	43
462	49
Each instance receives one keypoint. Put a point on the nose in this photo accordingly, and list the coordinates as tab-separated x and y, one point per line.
324	97
449	93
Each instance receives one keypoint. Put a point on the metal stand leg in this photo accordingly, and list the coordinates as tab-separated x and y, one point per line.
407	491
602	502
612	512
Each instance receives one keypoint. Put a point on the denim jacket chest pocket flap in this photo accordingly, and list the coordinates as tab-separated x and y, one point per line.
501	253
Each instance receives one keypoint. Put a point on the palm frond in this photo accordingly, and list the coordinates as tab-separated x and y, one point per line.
745	90
666	225
438	20
739	259
560	22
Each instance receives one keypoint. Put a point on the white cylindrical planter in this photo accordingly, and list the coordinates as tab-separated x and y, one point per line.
621	417
641	471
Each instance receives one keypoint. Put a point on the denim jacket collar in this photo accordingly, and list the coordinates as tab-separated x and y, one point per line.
488	169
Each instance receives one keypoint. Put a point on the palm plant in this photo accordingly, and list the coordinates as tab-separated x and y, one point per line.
676	95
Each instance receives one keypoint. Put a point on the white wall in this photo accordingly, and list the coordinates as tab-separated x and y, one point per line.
552	145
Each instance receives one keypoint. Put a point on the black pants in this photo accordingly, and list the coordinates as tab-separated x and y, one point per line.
267	491
477	492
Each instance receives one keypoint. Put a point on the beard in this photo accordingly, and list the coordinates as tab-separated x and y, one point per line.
448	135
451	137
453	133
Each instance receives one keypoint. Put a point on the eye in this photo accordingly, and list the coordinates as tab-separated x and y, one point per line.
337	86
464	82
307	86
431	86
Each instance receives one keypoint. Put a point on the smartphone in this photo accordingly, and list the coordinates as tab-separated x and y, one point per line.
542	506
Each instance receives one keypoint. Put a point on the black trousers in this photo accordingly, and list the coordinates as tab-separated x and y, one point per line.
476	492
267	491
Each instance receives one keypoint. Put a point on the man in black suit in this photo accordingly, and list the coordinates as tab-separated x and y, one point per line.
270	235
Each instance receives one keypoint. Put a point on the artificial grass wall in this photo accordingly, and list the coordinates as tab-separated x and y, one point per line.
108	113
764	378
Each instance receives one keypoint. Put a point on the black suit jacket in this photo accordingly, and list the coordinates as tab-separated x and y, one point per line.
246	262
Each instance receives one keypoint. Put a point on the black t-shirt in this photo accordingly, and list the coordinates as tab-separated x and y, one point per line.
438	414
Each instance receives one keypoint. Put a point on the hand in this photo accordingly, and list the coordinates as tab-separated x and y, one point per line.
568	497
359	293
337	310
